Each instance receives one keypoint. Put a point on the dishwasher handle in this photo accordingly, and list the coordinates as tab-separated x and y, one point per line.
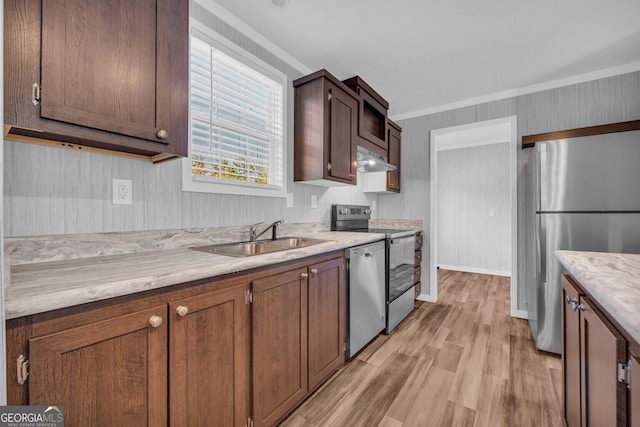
368	254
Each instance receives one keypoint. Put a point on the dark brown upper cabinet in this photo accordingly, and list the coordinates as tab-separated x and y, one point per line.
325	131
395	136
83	73
372	116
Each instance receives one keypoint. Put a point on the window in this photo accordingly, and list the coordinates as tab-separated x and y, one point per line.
236	121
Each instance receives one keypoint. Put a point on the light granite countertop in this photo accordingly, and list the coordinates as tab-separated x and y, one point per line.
43	286
613	279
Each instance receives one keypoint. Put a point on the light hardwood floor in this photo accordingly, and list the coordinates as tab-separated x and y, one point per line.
462	361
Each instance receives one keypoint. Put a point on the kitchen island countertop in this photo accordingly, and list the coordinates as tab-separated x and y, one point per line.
613	280
44	286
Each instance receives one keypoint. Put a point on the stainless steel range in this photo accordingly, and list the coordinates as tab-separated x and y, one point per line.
399	260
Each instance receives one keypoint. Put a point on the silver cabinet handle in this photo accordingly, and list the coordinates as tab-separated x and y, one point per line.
369	254
182	310
571	300
162	134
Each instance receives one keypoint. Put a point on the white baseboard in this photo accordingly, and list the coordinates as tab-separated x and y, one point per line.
520	314
426	297
475	270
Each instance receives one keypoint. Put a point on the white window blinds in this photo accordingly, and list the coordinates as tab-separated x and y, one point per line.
236	119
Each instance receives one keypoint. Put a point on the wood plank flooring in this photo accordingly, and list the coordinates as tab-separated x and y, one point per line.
462	361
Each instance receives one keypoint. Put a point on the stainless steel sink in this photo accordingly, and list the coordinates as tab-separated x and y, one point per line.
296	242
243	249
239	248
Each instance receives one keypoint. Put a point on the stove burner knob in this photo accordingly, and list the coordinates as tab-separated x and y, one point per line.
367	211
344	211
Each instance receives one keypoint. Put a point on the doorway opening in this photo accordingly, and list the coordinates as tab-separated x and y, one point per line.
503	130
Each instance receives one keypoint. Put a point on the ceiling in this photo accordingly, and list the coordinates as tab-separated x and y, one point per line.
423	55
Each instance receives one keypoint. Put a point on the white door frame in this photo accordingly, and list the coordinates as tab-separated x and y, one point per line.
433	220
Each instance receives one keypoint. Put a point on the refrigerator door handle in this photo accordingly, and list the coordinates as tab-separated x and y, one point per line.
541	232
542	177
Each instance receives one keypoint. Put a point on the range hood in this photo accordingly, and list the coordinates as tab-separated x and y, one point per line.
368	161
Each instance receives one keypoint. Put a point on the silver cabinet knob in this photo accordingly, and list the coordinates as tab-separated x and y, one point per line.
304	275
155	321
162	134
182	310
575	306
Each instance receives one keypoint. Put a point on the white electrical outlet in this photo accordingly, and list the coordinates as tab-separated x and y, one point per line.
491	213
314	202
122	191
289	200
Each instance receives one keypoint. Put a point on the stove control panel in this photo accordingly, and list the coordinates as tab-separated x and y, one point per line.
350	217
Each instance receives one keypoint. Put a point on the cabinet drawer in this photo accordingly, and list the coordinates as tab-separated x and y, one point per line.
418	257
417	272
419	238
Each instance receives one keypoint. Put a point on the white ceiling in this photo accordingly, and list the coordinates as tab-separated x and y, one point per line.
422	55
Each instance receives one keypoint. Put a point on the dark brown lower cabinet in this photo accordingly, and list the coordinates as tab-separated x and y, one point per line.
326	320
210	359
417	272
604	398
571	354
635	392
279	345
114	369
592	352
219	352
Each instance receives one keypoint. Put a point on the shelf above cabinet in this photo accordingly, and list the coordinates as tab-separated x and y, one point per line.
372	116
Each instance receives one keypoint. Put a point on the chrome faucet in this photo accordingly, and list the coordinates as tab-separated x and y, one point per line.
254	230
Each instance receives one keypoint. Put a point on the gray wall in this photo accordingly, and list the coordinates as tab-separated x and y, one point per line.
471	182
609	100
56	191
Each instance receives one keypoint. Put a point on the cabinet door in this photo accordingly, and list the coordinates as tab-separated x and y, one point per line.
570	353
393	177
634	400
604	399
117	68
343	119
110	372
326	319
279	325
210	359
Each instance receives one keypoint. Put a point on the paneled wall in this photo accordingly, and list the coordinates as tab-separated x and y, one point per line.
608	100
474	210
56	191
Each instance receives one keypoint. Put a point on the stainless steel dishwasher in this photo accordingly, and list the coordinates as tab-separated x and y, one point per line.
366	304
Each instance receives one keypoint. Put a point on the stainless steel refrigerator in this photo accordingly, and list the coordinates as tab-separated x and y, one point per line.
582	194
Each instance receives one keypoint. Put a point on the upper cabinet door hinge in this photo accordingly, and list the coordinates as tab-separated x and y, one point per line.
328	167
248	297
22	365
36	94
249	422
329	95
624	373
